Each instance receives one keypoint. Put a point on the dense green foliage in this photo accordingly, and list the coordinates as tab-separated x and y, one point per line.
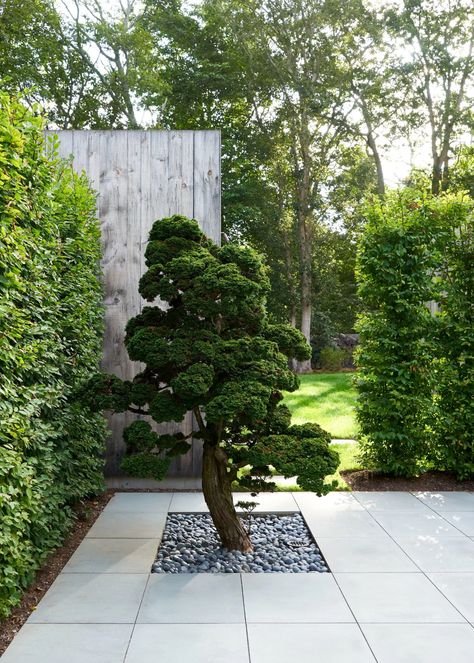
455	340
213	351
50	340
415	377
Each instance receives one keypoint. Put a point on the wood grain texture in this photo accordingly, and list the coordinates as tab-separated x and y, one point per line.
141	176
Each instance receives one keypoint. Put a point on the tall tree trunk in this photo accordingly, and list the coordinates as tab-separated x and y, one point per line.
217	489
306	305
436	176
304	186
371	142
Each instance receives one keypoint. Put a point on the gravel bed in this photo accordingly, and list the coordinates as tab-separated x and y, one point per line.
282	544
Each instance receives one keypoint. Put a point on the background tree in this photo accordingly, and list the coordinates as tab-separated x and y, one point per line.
37	58
214	351
114	47
438	69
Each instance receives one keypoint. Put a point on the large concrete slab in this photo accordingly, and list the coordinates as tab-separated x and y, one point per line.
421	643
86	598
308	643
447	501
125	525
438	554
183	643
343	524
192	599
395	597
310	503
462	520
113	556
188	503
266	502
74	643
389	501
298	597
364	554
405	523
459	589
141	502
269	502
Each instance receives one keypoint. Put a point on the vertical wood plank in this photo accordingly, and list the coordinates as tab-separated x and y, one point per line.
118	270
155	206
181	201
180	174
65	144
207	211
80	151
207	183
93	160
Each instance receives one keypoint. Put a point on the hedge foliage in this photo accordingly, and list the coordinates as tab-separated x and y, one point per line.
416	377
51	316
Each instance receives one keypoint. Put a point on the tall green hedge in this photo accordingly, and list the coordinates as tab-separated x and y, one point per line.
416	376
51	317
454	390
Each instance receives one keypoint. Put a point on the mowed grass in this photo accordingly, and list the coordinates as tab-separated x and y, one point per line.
347	461
327	399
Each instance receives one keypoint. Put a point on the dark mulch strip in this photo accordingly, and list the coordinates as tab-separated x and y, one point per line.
431	481
87	512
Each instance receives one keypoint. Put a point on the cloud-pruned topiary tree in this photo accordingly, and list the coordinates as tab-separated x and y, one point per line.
213	351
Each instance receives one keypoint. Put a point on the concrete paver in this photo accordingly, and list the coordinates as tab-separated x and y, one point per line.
420	643
76	598
443	553
183	643
192	598
123	525
402	589
365	554
308	643
395	597
299	597
113	556
74	643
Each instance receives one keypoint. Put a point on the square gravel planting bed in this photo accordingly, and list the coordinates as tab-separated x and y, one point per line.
282	544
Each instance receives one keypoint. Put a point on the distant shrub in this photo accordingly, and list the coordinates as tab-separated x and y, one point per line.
333	359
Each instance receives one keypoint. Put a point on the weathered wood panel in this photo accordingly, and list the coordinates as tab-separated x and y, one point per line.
139	177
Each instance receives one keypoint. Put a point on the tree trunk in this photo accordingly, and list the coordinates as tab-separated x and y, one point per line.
371	142
217	489
436	176
306	289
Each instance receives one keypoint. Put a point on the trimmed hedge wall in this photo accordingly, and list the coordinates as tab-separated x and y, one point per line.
416	370
51	320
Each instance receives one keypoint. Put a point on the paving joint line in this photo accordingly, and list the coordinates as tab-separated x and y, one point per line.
441	515
245	618
417	566
355	619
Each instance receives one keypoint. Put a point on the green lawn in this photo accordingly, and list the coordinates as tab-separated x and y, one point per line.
348	461
327	399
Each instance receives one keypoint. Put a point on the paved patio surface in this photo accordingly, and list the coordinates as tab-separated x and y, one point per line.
401	589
